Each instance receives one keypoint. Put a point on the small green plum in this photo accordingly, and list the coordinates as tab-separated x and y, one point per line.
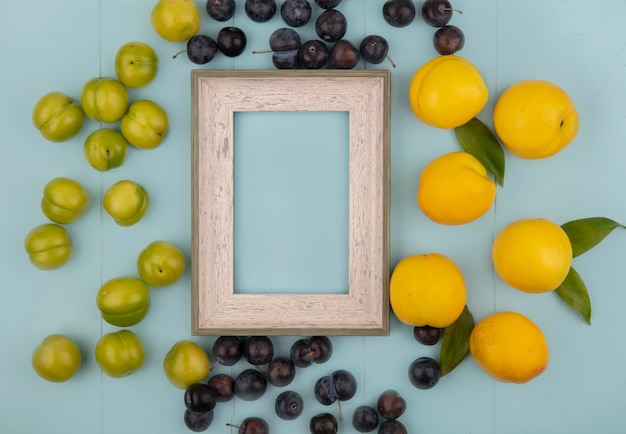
49	246
104	99
186	363
119	353
57	116
105	149
160	264
126	201
64	200
123	301
57	358
136	64
145	124
176	20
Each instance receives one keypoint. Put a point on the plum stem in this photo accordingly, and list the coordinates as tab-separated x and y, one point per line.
340	411
180	52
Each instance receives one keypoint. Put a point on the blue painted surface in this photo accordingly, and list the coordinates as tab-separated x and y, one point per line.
291	202
60	45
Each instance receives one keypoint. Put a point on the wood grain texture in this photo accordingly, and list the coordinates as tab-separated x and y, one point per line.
216	307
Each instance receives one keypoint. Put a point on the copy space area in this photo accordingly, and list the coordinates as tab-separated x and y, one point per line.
291	201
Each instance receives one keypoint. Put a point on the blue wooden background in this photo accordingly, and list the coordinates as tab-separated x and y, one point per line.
59	45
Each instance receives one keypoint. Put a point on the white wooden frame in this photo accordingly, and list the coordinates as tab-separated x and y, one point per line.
216	96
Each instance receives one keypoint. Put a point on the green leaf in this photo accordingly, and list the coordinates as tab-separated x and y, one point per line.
455	343
574	292
584	234
477	139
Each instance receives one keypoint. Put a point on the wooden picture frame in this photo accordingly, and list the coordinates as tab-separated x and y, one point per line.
216	96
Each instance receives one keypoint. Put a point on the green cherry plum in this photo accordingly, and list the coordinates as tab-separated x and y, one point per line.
104	99
105	149
145	124
126	201
119	353
64	200
136	64
123	301
57	116
161	263
175	20
49	246
57	358
186	363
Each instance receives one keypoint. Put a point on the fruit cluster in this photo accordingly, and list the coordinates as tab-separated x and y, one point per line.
330	49
125	300
448	39
141	124
448	92
267	369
